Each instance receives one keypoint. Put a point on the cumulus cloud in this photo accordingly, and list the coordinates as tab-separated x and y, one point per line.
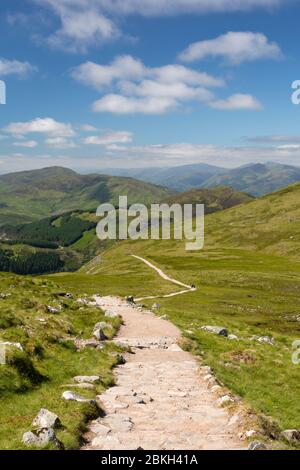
85	23
41	126
235	47
26	144
110	138
135	88
15	67
237	102
60	143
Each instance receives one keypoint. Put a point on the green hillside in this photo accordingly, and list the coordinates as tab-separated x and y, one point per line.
216	199
256	179
248	280
32	195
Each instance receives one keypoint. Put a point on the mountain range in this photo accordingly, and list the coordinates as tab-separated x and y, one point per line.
256	179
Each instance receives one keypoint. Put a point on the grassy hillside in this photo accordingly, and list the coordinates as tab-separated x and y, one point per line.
32	195
257	179
216	199
248	280
36	377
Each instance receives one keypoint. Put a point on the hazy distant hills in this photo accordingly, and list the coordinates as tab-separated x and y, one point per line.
256	179
32	195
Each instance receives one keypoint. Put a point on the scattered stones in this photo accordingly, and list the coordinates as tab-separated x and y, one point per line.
46	419
90	379
87	343
4	296
41	438
292	435
54	310
257	445
71	396
263	340
83	301
225	401
217	330
13	345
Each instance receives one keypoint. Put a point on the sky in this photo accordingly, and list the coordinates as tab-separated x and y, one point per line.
95	84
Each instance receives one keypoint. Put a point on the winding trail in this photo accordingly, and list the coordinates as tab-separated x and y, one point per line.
163	398
167	278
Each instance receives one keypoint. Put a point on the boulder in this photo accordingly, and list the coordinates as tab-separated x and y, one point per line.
12	345
217	330
233	337
225	401
103	325
292	435
72	396
99	334
257	445
46	419
41	438
91	379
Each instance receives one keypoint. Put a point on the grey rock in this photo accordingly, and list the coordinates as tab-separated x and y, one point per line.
233	337
217	330
257	445
110	314
54	310
102	325
263	340
91	379
46	419
12	345
72	396
41	438
292	435
99	334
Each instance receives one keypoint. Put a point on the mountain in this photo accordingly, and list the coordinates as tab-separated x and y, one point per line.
216	199
257	179
31	195
180	178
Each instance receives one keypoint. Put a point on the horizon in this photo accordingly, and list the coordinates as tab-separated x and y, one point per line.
219	93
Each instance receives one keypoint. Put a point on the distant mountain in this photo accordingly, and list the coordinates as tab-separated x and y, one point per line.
216	199
179	178
256	179
32	195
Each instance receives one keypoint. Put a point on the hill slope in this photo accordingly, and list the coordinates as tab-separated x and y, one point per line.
31	195
216	199
257	179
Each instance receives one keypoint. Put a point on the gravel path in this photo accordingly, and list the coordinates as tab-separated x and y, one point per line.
161	400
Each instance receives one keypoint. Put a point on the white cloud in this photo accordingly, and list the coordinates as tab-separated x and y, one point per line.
110	138
136	88
235	47
119	104
41	126
60	143
268	139
15	67
88	128
237	102
86	23
26	144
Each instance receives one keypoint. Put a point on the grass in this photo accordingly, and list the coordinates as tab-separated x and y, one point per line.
247	292
37	377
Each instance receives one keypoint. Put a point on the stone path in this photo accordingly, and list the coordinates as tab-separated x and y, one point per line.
161	400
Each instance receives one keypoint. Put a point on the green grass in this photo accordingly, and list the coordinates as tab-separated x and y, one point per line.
247	292
37	377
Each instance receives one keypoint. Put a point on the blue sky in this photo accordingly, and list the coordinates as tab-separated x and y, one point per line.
93	84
